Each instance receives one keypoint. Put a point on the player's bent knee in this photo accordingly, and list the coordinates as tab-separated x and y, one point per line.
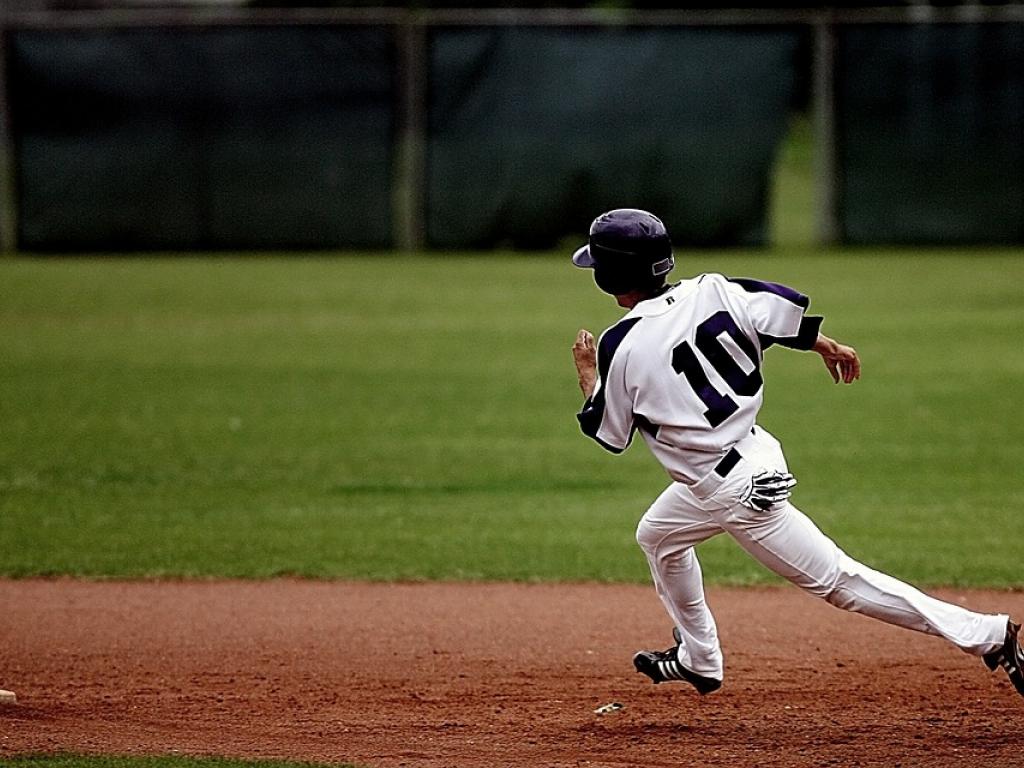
834	587
841	598
648	536
824	586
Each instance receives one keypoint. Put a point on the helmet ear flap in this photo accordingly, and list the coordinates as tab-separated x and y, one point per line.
622	276
612	280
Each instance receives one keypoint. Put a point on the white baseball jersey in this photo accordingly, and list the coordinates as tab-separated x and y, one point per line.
684	368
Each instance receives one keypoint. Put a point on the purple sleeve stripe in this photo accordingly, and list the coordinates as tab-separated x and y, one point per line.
589	417
784	291
805	338
590	422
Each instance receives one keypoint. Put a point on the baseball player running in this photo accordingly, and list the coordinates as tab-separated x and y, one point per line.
683	368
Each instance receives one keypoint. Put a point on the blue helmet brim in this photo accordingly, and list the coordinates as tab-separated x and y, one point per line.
582	257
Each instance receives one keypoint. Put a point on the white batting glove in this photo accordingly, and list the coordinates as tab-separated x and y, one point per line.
768	488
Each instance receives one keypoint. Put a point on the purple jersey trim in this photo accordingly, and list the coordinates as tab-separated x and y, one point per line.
593	410
760	286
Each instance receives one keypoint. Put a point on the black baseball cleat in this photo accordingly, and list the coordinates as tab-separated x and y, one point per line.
664	666
1010	657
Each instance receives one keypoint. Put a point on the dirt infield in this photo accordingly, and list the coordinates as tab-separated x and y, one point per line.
483	675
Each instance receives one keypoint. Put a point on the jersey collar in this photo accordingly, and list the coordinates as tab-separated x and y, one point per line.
663	302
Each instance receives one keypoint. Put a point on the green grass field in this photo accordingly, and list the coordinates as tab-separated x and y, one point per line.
386	417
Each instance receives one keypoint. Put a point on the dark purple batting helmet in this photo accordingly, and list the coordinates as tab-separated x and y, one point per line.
628	250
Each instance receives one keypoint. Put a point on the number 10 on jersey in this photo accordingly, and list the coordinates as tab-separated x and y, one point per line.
720	406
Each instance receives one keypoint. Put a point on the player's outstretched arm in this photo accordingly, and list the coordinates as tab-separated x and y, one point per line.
842	361
584	354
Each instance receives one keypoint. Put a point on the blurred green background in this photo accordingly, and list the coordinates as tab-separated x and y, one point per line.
412	417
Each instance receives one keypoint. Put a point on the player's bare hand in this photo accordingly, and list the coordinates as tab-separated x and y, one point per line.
584	354
842	361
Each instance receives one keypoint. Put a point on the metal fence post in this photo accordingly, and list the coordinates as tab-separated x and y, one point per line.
8	198
408	187
826	212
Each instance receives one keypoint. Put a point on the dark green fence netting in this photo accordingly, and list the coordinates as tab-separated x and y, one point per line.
930	124
534	131
216	138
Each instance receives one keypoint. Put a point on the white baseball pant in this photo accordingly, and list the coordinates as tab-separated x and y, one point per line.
784	540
